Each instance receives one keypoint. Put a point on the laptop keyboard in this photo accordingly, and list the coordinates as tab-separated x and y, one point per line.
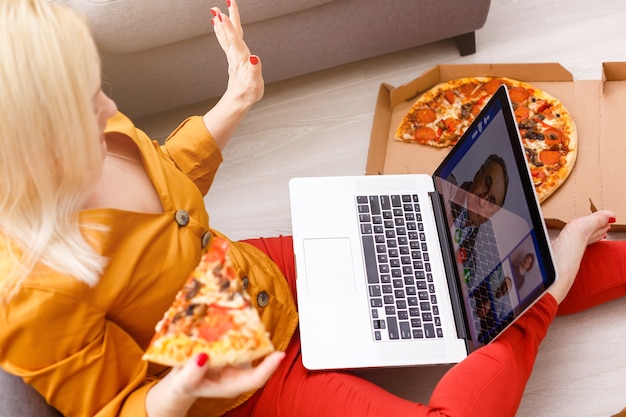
403	303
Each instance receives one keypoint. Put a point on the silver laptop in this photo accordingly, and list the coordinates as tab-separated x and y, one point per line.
405	270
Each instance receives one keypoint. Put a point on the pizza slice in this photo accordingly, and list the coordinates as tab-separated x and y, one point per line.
213	314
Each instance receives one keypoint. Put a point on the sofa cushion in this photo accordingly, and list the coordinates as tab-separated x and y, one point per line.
19	399
122	26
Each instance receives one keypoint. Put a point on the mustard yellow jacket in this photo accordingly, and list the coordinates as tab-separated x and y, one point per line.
81	347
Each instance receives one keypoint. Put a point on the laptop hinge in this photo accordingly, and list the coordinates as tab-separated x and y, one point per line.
458	308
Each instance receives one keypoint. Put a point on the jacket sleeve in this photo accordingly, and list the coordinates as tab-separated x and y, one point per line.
192	148
81	362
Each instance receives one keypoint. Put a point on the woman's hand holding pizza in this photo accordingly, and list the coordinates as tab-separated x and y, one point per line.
197	380
210	336
173	395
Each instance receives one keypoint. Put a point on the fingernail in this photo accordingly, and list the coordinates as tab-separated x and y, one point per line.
227	3
254	59
213	21
213	12
202	358
612	220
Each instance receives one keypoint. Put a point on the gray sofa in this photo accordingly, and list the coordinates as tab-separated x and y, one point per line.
161	54
20	400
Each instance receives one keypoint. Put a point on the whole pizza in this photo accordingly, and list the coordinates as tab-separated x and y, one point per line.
441	115
211	314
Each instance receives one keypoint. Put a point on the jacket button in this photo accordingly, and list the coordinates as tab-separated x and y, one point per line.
181	217
206	238
263	299
244	282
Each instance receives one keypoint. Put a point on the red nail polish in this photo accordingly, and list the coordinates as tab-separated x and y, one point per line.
213	12
612	220
202	358
227	3
254	59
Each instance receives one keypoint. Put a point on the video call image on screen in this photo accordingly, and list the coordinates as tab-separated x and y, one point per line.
490	229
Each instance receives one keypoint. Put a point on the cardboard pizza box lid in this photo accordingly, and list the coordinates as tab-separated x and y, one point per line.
597	106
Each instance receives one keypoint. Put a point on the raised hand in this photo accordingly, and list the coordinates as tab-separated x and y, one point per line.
244	70
245	78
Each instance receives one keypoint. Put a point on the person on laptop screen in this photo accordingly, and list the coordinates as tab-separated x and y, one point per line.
489	185
474	202
522	267
90	258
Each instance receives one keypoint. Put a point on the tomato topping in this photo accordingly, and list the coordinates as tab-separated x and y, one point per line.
550	157
547	113
518	94
539	175
424	134
217	323
217	251
451	124
481	101
424	116
544	106
521	113
492	85
553	136
467	89
449	95
535	172
475	110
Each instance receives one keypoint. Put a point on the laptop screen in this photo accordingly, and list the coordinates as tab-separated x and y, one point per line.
494	224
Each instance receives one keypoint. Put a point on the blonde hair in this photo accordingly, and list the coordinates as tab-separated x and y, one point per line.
49	147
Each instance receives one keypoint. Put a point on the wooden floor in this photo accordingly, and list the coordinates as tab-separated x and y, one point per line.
320	124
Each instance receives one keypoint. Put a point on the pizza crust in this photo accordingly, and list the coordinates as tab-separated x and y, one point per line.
176	350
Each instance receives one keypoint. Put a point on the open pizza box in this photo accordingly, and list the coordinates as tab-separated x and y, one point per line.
597	106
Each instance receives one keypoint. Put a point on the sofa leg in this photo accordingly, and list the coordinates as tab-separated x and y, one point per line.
466	43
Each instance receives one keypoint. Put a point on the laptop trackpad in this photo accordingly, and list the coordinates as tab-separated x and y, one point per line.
329	267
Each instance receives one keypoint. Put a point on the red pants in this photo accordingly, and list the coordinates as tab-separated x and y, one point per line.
490	382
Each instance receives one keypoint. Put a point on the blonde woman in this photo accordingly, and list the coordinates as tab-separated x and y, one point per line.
84	219
101	226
